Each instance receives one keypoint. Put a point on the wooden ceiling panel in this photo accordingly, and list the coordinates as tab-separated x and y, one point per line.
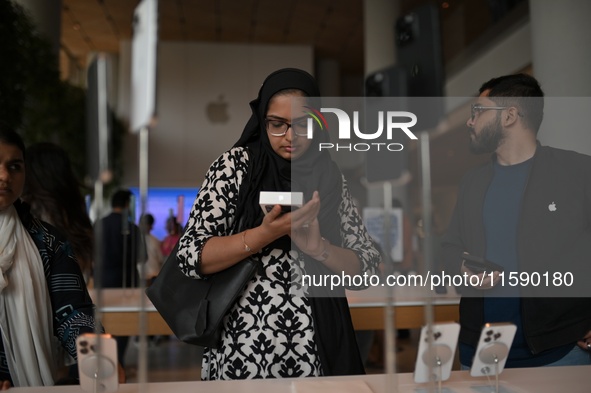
329	26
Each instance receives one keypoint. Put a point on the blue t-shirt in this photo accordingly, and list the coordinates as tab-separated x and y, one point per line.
501	211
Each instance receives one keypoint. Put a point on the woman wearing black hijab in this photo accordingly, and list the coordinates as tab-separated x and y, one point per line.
274	330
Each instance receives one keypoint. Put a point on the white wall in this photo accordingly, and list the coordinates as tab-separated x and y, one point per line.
562	61
509	53
190	76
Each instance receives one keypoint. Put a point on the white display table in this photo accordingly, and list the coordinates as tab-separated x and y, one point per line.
574	379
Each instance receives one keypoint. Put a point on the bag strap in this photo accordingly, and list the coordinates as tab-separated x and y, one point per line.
239	224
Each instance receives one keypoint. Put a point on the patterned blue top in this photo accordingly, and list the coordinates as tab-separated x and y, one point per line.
73	309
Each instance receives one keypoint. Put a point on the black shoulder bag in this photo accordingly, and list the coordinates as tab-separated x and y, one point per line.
195	308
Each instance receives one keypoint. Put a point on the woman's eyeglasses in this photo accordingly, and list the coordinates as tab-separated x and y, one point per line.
279	127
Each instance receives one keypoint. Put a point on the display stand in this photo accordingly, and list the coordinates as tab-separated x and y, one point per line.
494	355
437	346
425	165
435	358
143	110
389	328
96	368
492	350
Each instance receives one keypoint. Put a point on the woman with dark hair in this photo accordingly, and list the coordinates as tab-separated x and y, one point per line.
173	234
54	193
43	298
279	328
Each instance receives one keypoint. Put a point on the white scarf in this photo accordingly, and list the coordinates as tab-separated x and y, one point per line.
25	309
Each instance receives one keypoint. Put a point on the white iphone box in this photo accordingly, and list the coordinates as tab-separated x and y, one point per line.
97	362
438	358
288	200
493	349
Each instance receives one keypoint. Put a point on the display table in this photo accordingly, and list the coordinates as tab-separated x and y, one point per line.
121	310
573	379
368	307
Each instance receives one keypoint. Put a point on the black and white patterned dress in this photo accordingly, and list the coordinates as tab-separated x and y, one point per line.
269	332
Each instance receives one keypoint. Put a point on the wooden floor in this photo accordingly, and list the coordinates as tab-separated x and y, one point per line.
172	360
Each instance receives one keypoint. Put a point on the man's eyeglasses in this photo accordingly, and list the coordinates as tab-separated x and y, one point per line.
279	127
477	109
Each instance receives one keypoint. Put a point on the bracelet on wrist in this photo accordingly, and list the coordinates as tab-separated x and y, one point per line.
323	256
246	246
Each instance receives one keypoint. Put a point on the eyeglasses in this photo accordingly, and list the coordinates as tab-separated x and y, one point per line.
477	109
277	127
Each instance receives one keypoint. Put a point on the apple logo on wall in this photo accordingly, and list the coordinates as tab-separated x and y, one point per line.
217	111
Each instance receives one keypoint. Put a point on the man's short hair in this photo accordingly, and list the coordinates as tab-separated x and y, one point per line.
121	198
521	91
147	219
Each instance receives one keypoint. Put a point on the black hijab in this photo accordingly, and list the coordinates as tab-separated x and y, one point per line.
313	171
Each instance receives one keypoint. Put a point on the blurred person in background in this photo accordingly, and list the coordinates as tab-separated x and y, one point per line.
121	244
54	194
174	229
121	249
154	254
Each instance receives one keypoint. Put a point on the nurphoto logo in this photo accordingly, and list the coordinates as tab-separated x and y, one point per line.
387	121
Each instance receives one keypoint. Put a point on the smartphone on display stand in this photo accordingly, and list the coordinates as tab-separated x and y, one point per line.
97	362
438	358
493	349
